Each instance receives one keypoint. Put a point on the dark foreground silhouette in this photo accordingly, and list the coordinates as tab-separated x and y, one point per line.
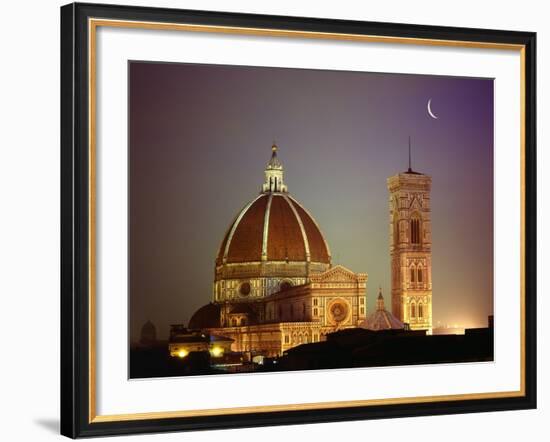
344	349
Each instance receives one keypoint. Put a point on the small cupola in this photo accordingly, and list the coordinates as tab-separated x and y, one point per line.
274	174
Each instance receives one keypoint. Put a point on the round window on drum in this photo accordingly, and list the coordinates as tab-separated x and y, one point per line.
244	289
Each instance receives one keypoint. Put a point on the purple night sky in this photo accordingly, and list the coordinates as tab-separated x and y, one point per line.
200	136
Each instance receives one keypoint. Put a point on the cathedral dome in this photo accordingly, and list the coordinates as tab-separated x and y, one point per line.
273	227
272	244
208	316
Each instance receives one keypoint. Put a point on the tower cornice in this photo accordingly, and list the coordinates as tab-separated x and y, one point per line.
409	182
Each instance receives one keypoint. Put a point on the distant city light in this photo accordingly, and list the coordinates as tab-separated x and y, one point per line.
183	353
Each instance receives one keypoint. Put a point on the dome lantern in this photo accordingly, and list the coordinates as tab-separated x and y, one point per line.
274	174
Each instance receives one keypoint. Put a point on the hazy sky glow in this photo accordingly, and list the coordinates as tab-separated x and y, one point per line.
200	136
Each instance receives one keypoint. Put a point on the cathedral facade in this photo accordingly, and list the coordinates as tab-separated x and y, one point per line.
275	286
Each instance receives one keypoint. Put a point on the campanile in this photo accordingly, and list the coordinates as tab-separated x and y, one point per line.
411	248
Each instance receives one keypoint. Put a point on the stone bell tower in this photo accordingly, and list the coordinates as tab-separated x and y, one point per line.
411	248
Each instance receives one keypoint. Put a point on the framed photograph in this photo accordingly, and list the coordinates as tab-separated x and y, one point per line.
279	220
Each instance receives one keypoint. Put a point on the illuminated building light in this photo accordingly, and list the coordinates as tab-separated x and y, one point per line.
182	353
216	352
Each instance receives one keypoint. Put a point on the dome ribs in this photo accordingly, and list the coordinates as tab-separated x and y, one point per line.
273	227
219	259
318	248
285	241
246	243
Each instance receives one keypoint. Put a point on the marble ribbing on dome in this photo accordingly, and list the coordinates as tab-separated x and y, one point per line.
318	247
246	236
273	227
285	239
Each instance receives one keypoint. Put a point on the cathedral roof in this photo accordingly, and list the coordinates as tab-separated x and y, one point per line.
242	308
273	227
208	316
381	319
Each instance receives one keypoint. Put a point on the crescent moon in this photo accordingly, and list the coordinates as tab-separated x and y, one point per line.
434	116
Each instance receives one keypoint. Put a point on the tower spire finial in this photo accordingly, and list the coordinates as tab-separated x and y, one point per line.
410	168
380	300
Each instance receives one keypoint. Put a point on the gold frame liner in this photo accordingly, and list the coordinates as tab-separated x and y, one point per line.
93	24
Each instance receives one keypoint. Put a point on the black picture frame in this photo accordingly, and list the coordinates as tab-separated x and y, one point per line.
75	219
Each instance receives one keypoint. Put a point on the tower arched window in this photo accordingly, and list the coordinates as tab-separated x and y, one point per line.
420	275
413	275
420	311
415	230
413	310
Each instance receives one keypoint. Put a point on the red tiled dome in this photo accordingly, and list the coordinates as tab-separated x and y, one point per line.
276	227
